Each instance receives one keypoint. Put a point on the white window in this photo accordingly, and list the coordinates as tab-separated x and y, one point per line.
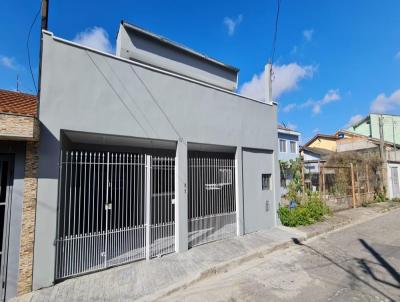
292	147
282	145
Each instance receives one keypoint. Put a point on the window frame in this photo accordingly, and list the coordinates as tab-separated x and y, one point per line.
295	147
280	145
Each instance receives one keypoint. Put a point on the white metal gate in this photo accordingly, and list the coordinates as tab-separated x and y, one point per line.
113	208
211	196
6	187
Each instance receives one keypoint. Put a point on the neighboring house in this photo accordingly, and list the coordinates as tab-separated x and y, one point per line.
288	142
369	126
347	141
19	134
144	153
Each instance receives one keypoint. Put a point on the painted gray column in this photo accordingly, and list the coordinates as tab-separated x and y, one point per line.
181	201
46	210
239	192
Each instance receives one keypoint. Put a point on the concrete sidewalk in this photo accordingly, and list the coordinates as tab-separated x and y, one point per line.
150	280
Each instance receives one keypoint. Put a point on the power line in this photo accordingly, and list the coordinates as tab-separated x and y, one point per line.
278	2
27	47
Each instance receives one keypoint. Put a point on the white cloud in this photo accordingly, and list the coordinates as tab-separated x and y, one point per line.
308	34
8	62
285	79
231	24
386	104
331	96
397	55
354	120
289	107
291	126
316	130
95	37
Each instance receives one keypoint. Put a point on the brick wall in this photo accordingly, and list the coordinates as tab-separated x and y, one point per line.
18	127
28	220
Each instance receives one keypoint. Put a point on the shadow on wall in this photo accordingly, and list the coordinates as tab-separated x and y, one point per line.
49	154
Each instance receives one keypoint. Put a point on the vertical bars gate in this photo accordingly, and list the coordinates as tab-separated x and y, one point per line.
162	206
211	196
102	210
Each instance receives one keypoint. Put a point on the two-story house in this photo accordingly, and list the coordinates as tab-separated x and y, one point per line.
146	152
288	142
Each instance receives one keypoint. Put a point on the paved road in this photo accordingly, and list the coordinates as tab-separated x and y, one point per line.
359	263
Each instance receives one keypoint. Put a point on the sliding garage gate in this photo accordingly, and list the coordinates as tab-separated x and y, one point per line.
211	199
113	208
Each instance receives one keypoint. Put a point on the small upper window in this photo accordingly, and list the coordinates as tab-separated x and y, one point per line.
282	145
292	147
265	181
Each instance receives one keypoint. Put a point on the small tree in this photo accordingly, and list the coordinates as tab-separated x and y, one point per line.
293	168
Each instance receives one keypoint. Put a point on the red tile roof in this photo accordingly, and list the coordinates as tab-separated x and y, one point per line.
18	103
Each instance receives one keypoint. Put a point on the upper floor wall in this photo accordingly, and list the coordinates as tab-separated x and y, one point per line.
369	126
134	43
288	144
90	91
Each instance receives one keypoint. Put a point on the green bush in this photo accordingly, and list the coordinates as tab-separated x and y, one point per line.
379	197
310	211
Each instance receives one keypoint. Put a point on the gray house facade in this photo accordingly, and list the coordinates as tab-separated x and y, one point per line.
144	153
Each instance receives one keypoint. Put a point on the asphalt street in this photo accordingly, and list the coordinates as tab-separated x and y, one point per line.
358	263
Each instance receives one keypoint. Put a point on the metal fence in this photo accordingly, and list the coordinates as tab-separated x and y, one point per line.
113	208
211	196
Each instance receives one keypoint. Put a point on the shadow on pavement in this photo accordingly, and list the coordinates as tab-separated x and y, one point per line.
347	270
386	265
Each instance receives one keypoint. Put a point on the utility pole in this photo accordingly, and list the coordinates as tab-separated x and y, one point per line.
383	154
45	14
268	83
394	139
382	140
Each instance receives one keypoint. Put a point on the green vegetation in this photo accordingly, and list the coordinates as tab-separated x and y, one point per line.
293	168
309	211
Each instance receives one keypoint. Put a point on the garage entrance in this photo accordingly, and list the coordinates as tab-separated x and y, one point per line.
211	197
113	208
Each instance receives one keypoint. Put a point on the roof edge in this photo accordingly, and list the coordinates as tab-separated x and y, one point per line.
163	71
177	45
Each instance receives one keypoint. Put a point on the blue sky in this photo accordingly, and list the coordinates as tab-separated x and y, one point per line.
335	60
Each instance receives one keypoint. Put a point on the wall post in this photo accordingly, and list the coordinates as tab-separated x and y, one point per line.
181	200
352	185
239	192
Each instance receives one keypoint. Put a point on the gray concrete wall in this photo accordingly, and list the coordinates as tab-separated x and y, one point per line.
88	91
134	45
17	149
